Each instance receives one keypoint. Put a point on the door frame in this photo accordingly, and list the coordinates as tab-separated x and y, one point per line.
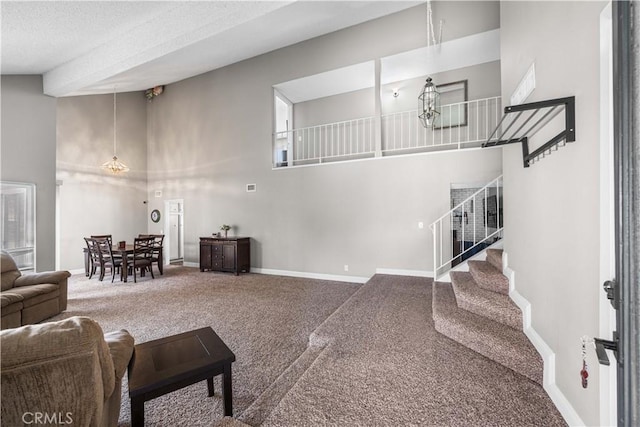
290	143
626	108
607	317
167	228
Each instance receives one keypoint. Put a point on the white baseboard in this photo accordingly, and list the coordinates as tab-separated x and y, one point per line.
77	271
190	264
548	356
307	275
398	272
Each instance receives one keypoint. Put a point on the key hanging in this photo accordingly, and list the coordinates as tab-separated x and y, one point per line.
584	372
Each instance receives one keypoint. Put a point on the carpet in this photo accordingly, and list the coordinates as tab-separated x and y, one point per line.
316	353
265	320
385	365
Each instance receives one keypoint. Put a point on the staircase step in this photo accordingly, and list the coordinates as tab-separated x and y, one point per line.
261	408
485	303
489	277
494	340
494	256
229	422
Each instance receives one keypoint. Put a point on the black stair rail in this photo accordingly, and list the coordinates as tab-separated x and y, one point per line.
532	117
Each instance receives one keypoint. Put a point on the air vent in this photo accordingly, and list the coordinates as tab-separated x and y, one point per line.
251	188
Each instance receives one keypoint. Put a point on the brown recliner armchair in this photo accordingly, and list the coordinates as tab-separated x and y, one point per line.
65	372
30	298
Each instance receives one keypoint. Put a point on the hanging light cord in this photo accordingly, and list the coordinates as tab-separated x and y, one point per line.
114	165
431	36
114	122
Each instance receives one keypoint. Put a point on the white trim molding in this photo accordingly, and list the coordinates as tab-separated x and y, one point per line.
307	275
399	272
561	402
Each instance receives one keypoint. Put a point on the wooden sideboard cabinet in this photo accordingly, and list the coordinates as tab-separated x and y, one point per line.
231	254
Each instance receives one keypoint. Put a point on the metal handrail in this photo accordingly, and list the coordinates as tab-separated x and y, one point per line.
442	264
324	125
469	123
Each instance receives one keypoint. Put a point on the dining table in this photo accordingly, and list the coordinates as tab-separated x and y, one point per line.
124	252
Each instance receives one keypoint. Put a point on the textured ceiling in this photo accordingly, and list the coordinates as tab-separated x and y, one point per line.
86	47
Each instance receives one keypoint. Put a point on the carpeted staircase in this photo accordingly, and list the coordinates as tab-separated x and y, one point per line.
476	311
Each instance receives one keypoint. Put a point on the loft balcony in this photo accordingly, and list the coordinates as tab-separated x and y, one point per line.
461	125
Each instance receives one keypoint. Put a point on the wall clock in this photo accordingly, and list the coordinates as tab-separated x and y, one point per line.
155	215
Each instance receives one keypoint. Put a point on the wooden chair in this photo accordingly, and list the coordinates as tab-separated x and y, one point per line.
94	255
101	255
103	236
109	238
157	249
142	256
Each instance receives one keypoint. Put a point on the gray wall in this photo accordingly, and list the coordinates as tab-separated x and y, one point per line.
29	153
483	82
336	108
210	135
91	200
552	208
195	143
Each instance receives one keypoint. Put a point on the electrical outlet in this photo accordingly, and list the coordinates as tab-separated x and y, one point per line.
420	225
346	267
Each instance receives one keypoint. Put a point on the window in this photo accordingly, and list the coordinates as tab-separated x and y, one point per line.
18	229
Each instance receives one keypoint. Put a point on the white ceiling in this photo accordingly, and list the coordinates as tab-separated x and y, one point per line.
89	47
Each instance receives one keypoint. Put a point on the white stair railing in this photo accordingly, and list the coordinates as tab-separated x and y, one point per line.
467	228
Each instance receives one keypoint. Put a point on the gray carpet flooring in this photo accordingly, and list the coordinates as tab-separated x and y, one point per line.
316	353
265	320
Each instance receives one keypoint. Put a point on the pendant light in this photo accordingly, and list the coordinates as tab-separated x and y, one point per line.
430	97
114	165
429	104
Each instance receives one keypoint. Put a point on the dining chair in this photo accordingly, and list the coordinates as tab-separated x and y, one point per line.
103	236
157	249
142	256
94	255
109	238
102	256
91	260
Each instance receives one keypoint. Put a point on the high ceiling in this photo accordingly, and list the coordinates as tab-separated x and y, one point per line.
90	47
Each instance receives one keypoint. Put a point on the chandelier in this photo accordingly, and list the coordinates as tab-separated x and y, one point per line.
114	165
429	104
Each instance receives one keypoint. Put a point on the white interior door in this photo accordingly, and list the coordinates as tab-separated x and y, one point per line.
174	231
175	236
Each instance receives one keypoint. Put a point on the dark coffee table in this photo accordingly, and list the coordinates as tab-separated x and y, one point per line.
161	366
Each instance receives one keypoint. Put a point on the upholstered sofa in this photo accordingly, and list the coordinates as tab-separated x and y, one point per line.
30	298
66	372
